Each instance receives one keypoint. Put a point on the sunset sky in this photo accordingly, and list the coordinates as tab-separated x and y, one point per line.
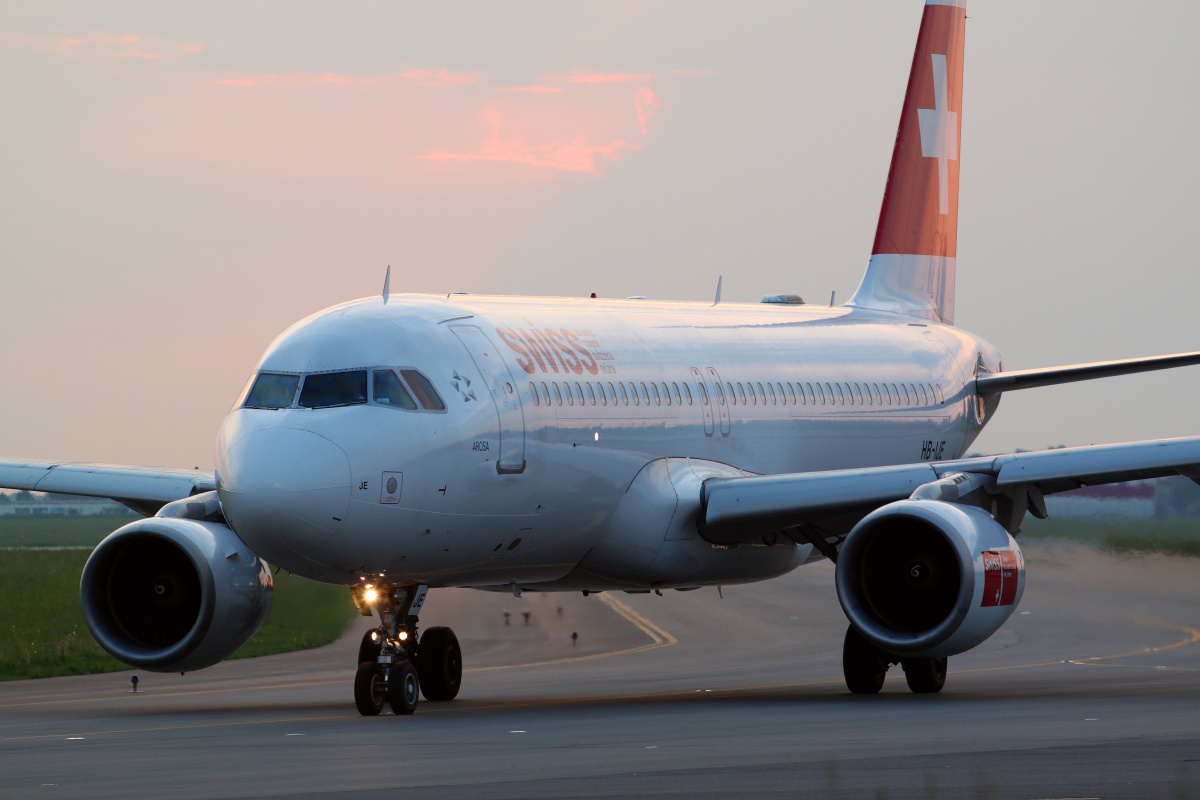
180	182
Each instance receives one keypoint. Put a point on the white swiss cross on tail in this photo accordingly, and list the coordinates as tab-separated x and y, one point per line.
939	132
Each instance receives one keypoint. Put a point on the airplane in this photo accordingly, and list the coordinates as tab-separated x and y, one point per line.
521	444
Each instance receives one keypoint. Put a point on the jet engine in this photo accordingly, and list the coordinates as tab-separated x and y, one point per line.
173	595
927	579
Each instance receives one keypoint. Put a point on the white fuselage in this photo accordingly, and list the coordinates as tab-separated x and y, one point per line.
557	411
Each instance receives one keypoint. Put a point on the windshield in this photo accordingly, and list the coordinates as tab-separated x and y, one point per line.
423	389
389	391
273	391
328	389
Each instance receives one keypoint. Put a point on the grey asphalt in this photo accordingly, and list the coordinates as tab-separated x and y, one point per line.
1091	690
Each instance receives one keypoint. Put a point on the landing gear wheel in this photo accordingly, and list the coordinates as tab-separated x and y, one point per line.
403	689
864	665
368	649
369	689
439	662
925	675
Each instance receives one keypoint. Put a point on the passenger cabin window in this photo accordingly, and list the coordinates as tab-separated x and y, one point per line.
272	390
426	395
329	389
389	391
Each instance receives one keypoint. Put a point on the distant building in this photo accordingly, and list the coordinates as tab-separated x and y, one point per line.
1157	499
38	504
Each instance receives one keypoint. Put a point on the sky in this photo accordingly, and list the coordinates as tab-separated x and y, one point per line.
179	182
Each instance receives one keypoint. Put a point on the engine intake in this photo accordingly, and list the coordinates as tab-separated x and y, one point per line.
174	595
925	578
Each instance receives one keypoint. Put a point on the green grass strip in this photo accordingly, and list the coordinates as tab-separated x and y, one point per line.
1172	537
58	531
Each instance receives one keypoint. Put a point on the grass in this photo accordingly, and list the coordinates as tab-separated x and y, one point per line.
42	632
59	531
1173	537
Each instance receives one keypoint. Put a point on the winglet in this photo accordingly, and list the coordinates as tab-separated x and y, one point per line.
387	281
717	299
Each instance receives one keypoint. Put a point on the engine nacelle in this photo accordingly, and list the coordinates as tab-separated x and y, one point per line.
924	578
174	595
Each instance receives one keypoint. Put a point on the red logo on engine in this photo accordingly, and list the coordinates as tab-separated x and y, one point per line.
1001	573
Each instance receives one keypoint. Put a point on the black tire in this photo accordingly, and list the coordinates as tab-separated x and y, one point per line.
439	661
925	675
864	665
403	689
368	649
369	690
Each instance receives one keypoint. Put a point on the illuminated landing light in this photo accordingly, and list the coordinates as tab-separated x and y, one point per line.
402	635
369	595
597	436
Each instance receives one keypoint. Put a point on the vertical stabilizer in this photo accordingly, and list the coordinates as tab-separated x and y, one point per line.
912	262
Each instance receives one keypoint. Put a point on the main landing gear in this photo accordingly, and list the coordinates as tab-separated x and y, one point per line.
394	668
865	666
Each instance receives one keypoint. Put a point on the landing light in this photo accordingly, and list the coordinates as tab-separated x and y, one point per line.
597	436
403	635
369	595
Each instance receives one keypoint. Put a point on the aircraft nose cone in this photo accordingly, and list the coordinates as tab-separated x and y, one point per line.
285	491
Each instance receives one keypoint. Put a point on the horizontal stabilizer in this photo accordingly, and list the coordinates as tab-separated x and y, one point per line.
1032	378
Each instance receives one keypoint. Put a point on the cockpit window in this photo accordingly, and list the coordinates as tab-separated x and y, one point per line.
328	389
389	391
427	396
272	390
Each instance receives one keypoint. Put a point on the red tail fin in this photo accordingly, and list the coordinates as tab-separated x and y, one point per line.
912	263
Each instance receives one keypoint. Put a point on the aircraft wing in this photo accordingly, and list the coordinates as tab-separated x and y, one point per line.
738	509
144	489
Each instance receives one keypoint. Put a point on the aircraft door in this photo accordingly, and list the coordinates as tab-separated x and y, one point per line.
506	398
706	400
719	399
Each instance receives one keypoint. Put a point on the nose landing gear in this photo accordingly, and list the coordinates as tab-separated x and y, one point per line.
393	667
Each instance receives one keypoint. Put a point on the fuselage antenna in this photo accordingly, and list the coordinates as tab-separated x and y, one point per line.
833	298
387	282
717	299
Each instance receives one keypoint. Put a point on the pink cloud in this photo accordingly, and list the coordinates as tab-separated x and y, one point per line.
304	79
572	156
630	77
616	77
645	103
382	130
532	89
439	78
100	44
442	77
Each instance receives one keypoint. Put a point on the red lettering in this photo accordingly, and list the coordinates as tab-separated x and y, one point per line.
1008	571
590	363
538	348
993	578
571	362
509	338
